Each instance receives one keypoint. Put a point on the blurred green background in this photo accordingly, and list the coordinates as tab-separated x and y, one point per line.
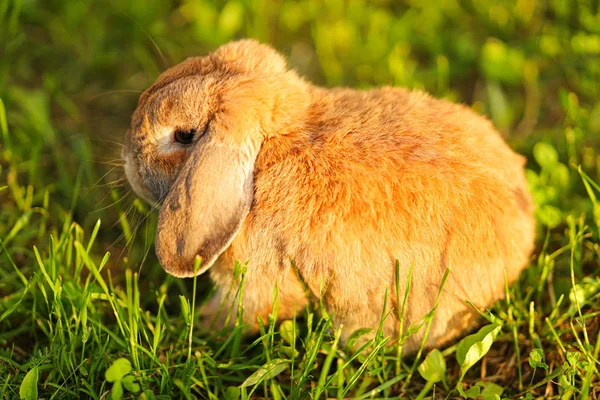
71	73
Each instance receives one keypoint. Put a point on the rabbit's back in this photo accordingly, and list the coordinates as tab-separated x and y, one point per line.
384	175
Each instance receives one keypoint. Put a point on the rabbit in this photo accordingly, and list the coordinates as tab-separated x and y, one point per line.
250	162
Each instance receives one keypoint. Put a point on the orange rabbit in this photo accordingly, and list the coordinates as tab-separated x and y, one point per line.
251	162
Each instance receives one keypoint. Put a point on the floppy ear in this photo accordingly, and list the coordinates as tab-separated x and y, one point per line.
249	55
206	206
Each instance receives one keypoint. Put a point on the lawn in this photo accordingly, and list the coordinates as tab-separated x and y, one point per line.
86	311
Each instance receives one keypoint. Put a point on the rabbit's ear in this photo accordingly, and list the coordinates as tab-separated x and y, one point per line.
249	55
206	206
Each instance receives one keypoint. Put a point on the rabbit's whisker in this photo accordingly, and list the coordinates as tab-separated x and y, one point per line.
154	207
122	216
115	162
111	141
117	183
160	53
147	245
109	92
112	204
101	178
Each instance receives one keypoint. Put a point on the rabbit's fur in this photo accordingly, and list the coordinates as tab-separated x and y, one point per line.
344	182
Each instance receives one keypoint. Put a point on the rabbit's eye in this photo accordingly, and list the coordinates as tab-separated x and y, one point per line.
185	136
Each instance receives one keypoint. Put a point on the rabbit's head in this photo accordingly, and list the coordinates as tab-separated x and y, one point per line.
193	141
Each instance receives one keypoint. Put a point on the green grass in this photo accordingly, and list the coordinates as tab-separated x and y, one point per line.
86	310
